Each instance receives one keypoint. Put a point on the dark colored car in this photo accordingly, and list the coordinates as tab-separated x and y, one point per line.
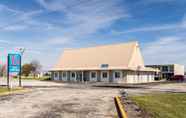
178	78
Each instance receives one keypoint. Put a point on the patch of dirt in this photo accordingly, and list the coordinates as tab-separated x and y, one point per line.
133	111
59	108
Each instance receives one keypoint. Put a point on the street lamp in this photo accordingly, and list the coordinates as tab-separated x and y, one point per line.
21	51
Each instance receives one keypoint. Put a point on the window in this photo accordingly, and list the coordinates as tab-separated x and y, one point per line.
117	74
104	74
93	74
171	69
165	68
64	74
73	74
55	74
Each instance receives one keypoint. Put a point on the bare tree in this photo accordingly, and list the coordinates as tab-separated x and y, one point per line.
36	67
3	70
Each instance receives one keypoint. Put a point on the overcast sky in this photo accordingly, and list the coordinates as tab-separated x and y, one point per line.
46	27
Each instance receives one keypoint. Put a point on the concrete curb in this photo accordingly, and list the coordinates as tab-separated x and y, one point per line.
120	107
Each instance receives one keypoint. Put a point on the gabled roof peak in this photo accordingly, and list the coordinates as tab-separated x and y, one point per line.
105	45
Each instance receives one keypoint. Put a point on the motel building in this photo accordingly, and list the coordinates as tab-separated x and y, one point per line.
167	71
116	63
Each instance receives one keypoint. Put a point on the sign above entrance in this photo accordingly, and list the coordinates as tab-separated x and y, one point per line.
104	65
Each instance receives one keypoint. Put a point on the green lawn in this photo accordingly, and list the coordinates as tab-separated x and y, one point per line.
4	90
165	105
32	78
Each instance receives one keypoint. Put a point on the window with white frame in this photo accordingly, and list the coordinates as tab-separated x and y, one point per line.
93	75
73	75
104	74
56	74
117	74
64	74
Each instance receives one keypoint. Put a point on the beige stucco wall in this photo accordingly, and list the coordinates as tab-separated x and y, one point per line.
178	69
139	77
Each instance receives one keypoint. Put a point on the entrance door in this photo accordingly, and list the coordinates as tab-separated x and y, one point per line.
73	76
117	76
105	76
93	76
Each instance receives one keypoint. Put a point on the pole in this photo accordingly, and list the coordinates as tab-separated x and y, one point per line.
20	73
8	82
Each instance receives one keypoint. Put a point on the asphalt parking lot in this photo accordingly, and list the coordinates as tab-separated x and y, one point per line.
157	88
62	100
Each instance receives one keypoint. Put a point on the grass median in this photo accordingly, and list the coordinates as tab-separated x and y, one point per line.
164	105
6	91
44	78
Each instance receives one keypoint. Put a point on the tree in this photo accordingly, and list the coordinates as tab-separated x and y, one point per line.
3	70
36	67
26	69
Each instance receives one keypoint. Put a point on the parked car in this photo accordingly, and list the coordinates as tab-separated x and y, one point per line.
178	78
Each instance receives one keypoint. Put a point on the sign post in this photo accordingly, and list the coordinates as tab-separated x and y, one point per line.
14	65
20	73
8	86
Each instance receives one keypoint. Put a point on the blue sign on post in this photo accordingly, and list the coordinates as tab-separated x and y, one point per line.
13	65
14	62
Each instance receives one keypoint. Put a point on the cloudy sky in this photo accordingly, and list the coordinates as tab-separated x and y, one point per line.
46	27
